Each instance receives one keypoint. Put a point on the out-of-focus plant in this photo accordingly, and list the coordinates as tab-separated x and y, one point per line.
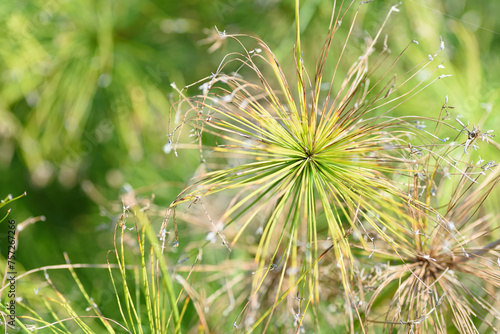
324	157
80	74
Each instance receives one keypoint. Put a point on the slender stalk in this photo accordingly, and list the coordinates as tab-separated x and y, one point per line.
298	59
144	222
297	37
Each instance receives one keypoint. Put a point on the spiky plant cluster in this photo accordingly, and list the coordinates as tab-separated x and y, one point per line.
445	272
304	165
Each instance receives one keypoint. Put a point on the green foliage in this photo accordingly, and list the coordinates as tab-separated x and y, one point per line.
325	195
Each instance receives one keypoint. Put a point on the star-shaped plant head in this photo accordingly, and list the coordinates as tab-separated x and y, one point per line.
307	164
446	270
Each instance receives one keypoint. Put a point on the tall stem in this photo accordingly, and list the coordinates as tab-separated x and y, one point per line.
297	33
298	56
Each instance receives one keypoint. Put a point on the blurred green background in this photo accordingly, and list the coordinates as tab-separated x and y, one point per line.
85	95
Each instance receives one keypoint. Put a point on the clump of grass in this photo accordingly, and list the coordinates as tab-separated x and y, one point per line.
143	287
153	281
311	163
39	304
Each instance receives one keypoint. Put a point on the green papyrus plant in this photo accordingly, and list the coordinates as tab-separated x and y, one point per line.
305	161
